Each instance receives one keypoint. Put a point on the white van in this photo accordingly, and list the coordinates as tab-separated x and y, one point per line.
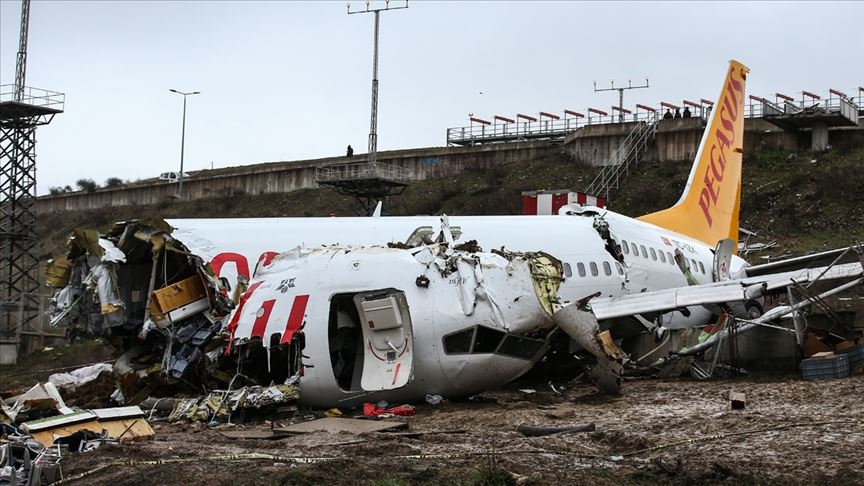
172	176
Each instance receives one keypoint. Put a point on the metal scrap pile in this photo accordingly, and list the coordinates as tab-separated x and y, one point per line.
37	428
147	293
221	404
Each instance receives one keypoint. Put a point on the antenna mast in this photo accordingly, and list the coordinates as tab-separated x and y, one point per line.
620	94
21	67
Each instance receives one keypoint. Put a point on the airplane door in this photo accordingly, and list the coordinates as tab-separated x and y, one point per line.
388	344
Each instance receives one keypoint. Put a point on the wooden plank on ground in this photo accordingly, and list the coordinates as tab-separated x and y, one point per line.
335	425
254	434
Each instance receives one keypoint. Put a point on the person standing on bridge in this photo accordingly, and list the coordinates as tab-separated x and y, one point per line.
686	112
668	115
677	112
349	152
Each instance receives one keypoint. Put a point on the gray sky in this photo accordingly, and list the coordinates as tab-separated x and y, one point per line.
291	80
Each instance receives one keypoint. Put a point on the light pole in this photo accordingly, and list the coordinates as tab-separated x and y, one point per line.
373	125
182	139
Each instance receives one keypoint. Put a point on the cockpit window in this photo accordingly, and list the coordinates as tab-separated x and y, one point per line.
485	340
460	342
520	347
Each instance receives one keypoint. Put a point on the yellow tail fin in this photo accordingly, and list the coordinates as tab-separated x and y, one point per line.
708	209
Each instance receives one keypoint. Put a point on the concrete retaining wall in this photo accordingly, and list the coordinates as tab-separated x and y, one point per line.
596	144
677	140
290	176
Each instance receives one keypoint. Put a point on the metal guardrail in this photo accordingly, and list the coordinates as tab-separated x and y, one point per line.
363	170
850	107
525	130
625	156
42	98
846	107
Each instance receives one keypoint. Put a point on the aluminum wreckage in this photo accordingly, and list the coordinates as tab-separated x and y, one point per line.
346	325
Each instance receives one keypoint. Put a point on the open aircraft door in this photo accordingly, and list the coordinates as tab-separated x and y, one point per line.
388	346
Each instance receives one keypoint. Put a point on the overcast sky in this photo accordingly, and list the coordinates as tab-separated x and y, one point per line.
291	80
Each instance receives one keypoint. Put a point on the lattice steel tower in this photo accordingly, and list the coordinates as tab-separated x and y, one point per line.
22	109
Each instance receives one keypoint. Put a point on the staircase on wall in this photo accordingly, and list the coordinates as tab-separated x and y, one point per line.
627	155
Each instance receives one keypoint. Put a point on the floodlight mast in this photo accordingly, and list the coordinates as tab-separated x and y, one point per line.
620	94
373	128
21	64
182	139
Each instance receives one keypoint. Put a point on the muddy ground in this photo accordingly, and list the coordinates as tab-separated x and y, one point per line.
674	431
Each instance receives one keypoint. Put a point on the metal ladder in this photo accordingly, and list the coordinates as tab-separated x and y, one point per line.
626	155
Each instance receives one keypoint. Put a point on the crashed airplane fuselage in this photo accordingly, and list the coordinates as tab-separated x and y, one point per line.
375	323
603	253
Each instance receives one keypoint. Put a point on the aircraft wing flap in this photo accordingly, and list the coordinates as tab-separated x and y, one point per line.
737	290
665	300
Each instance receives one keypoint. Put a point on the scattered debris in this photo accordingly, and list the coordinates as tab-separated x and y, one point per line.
434	399
333	412
221	404
40	401
737	400
120	423
371	410
80	376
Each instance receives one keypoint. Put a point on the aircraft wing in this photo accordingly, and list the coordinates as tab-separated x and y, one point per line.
728	291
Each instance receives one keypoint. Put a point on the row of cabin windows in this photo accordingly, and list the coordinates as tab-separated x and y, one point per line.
593	268
664	256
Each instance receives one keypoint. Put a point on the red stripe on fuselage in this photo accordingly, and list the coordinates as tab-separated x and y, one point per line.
295	319
232	326
260	324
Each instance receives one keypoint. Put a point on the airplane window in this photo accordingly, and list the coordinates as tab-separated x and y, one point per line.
694	267
594	270
619	268
459	342
671	260
662	257
702	268
653	254
487	340
607	269
580	267
567	271
644	253
520	347
633	247
625	247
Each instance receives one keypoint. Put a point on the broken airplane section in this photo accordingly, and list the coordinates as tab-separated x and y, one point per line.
346	325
